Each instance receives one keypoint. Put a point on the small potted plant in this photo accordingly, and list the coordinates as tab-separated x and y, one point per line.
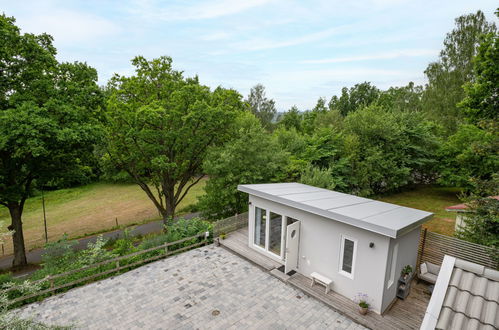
406	272
363	301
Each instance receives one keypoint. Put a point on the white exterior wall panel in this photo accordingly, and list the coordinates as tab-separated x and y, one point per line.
320	246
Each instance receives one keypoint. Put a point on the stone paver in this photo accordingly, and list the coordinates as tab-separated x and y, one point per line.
206	288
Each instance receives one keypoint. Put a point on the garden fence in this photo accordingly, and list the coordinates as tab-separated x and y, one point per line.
229	224
113	265
433	247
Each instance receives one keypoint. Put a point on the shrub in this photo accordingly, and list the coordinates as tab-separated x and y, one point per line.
178	230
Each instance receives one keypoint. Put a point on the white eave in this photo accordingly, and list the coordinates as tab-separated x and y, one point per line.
379	217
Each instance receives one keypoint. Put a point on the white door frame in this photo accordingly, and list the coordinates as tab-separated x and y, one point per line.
292	247
265	249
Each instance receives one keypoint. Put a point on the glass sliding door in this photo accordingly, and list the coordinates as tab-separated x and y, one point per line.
260	226
275	233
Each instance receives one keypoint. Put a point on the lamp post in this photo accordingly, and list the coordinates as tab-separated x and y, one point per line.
44	218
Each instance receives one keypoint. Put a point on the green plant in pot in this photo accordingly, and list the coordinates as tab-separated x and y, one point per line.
362	300
406	271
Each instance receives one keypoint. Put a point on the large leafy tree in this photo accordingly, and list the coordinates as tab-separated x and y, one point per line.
160	126
387	150
406	98
453	69
46	125
253	156
470	153
481	105
291	119
261	106
482	215
353	98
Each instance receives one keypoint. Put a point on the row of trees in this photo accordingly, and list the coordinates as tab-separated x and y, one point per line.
165	131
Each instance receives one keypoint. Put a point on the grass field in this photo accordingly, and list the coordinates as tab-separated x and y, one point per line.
88	209
93	208
432	199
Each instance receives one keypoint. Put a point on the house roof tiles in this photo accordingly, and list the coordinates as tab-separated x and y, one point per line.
471	297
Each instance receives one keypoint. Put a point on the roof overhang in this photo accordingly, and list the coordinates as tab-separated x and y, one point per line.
382	230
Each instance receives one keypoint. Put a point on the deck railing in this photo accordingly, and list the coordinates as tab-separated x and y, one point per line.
107	266
433	247
230	224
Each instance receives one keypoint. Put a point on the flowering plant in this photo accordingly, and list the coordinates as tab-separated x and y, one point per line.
362	300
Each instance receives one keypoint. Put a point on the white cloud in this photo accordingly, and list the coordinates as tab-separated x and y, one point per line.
203	10
261	44
215	36
380	56
68	26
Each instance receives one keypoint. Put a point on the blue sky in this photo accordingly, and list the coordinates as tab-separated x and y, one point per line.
299	50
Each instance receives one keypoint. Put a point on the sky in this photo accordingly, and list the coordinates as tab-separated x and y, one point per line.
299	50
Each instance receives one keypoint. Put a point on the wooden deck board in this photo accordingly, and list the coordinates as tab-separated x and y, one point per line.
404	314
237	241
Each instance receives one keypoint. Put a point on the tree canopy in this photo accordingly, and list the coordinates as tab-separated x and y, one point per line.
160	126
261	106
47	121
453	69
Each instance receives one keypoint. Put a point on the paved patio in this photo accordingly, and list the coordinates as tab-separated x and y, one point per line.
206	288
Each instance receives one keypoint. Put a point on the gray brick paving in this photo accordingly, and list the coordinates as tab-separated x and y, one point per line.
206	288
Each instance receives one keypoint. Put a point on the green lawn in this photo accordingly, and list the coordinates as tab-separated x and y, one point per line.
433	199
88	209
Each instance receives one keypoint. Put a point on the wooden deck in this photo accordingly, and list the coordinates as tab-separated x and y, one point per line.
237	241
404	314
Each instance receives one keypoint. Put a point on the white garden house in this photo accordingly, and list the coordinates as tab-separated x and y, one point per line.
358	245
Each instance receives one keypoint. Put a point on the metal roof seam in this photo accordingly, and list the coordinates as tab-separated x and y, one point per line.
340	207
379	213
312	200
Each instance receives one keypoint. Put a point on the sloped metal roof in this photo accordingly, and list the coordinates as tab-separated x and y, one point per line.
380	217
466	297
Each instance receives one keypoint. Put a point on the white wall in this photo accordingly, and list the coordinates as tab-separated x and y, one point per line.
407	254
460	224
320	240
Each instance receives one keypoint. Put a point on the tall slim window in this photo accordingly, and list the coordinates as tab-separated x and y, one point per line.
347	256
260	226
275	232
393	265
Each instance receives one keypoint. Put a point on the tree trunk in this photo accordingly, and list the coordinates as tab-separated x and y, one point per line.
169	194
18	237
170	211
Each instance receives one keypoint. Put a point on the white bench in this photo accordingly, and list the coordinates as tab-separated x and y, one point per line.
322	280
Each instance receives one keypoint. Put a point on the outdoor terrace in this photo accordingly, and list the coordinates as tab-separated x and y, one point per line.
403	314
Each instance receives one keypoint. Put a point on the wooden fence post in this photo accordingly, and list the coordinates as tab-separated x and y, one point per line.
423	242
51	280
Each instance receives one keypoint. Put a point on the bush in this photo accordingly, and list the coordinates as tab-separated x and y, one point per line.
124	245
178	230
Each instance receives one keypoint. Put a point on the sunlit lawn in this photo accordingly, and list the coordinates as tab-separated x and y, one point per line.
95	207
88	209
433	199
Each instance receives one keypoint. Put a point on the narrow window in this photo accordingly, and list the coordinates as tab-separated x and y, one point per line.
275	233
393	265
347	257
260	226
